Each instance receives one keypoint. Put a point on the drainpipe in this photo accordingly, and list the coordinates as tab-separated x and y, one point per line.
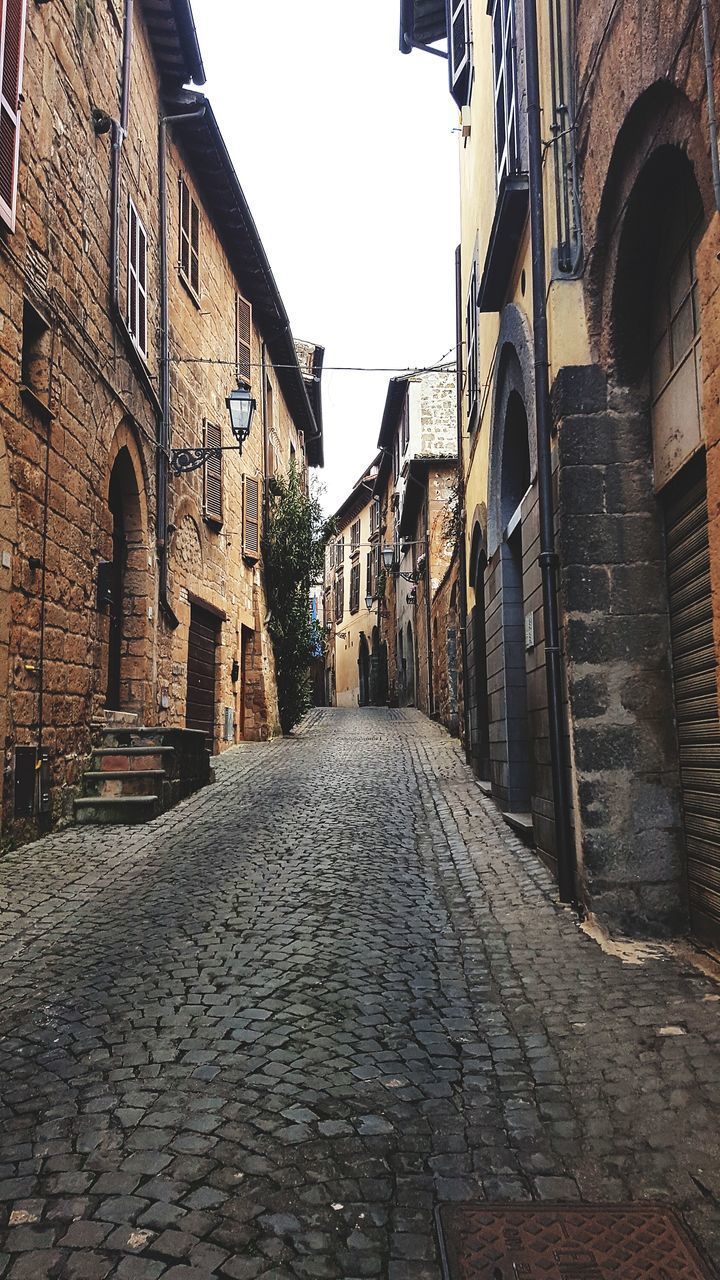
712	118
548	555
462	552
266	441
163	446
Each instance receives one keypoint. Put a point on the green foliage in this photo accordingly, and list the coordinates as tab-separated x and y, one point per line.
293	555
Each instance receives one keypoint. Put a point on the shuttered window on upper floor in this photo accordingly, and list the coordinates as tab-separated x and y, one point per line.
243	339
213	475
251	517
12	44
460	51
471	336
137	280
189	259
507	152
355	588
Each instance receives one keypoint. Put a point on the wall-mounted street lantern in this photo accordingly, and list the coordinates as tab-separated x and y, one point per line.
241	407
391	564
369	602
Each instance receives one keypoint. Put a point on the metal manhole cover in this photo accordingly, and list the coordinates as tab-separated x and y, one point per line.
567	1242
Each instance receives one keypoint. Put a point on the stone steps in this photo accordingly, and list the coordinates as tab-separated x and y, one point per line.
117	809
136	772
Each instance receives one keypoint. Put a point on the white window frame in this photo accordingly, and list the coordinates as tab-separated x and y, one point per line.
505	90
137	317
460	50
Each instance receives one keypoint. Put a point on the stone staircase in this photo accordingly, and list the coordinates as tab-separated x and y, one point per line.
135	772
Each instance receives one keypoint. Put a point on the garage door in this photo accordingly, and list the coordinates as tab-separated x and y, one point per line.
202	645
695	678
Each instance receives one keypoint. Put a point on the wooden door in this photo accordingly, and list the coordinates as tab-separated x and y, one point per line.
202	646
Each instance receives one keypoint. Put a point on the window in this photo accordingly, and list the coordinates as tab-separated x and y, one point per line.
243	339
189	264
339	553
405	423
355	588
251	517
375	516
212	476
459	49
471	329
370	574
396	456
12	43
292	456
137	280
505	79
339	596
355	538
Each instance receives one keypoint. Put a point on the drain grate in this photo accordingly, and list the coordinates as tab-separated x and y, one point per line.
567	1242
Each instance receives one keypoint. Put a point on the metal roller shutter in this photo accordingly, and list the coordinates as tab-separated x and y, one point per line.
696	703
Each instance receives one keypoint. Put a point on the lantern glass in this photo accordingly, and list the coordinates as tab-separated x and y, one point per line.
388	557
241	406
369	602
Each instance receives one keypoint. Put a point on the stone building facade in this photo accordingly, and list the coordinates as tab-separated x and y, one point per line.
130	309
629	217
355	668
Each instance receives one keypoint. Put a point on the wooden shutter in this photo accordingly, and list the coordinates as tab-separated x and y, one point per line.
243	330
12	45
194	247
212	475
472	347
355	588
459	49
251	517
184	251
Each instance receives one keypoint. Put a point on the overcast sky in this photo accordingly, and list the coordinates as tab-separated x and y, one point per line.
346	152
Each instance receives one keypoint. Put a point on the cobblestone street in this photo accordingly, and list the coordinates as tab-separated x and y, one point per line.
267	1033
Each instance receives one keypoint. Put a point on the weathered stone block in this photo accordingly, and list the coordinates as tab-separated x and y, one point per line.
579	389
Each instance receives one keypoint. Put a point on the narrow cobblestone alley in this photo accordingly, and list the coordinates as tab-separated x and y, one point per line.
267	1033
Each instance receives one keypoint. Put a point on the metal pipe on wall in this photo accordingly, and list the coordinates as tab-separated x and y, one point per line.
548	555
712	117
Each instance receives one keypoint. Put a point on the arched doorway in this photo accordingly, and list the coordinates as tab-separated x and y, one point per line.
656	329
410	668
514	482
128	568
400	661
363	671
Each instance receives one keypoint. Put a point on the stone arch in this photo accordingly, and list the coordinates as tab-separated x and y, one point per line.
515	378
478	544
661	123
126	637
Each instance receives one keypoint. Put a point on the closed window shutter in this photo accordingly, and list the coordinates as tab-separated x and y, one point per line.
472	346
244	340
459	50
251	517
194	246
12	44
184	229
213	487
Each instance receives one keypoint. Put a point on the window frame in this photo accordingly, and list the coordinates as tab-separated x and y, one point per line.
11	106
355	588
460	50
355	538
189	239
339	595
137	292
505	83
243	346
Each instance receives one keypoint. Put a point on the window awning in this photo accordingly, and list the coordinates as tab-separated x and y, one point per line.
421	22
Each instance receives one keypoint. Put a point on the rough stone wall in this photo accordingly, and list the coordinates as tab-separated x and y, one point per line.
88	407
437	416
59	442
447	661
618	657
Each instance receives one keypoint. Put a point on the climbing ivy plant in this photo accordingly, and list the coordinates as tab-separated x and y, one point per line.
293	554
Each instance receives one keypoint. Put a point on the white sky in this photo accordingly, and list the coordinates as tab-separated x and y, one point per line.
345	151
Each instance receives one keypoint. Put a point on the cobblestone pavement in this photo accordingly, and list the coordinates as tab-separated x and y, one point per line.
268	1032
